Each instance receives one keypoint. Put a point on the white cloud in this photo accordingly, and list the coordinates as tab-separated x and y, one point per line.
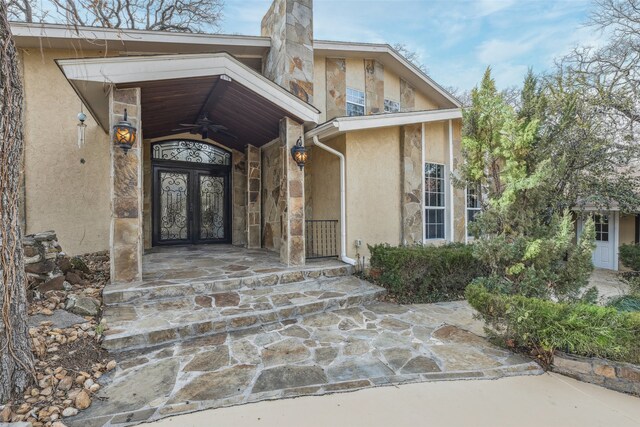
495	50
489	7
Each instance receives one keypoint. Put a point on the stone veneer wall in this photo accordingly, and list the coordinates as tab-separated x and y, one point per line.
336	71
254	172
623	377
374	86
126	241
238	198
146	194
292	248
289	62
411	181
272	194
407	96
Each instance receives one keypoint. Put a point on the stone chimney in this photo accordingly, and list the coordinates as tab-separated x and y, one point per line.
289	62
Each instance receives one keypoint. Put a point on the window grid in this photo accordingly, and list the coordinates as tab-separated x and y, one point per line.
391	106
473	205
355	102
435	201
601	223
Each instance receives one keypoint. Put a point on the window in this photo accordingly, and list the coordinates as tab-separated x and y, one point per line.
601	223
355	102
434	195
473	205
391	106
191	151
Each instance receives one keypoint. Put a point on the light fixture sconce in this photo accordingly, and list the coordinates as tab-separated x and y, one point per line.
124	134
299	153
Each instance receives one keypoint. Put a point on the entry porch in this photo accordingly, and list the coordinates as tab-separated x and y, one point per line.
202	104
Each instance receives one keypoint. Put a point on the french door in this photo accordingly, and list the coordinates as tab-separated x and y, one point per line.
190	205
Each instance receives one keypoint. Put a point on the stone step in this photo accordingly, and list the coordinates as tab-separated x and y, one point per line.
169	289
146	324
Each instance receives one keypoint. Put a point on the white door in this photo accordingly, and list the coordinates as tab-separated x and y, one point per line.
604	253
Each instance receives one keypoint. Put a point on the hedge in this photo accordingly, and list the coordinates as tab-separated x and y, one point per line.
630	256
423	274
544	326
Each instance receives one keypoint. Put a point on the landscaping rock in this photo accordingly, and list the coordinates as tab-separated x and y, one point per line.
55	284
69	412
82	400
83	306
59	319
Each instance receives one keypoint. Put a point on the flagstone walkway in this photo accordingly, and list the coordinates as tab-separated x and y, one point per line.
341	350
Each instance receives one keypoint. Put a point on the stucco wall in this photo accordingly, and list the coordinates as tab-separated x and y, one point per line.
67	188
391	86
436	143
373	188
323	183
424	103
355	73
627	229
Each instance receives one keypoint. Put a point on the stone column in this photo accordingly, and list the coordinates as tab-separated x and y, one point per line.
374	86
412	184
336	74
126	241
239	196
292	248
289	62
253	196
407	97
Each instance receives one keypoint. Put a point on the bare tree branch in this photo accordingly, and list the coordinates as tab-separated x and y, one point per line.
191	16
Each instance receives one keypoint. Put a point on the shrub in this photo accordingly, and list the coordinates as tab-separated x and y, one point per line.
544	326
630	256
629	302
419	274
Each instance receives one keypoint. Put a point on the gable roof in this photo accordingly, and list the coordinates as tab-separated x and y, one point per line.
89	76
250	50
392	60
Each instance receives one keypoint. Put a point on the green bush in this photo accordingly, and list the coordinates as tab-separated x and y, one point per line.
544	326
629	302
630	256
420	274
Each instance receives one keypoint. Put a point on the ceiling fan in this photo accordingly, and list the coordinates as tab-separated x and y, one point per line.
205	127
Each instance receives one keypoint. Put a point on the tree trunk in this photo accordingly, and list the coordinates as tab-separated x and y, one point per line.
16	359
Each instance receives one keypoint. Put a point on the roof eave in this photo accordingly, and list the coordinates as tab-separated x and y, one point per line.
341	125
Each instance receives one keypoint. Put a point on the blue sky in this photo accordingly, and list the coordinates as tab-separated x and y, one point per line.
456	39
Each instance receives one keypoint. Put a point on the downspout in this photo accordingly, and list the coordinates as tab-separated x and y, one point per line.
451	189
343	202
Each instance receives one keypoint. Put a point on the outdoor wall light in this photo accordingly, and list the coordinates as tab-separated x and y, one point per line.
124	134
299	153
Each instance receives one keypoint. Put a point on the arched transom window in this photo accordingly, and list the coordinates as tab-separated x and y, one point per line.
190	151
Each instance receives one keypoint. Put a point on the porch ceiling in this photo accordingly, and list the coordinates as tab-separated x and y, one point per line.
167	103
180	88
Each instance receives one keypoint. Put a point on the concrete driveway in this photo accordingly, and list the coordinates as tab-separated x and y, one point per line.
545	400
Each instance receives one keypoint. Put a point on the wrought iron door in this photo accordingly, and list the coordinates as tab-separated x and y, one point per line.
191	193
190	206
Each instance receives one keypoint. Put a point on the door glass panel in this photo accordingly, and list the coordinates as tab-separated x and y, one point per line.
173	205
191	151
601	223
211	207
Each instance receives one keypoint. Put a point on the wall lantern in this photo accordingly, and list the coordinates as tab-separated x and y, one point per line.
124	134
299	153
